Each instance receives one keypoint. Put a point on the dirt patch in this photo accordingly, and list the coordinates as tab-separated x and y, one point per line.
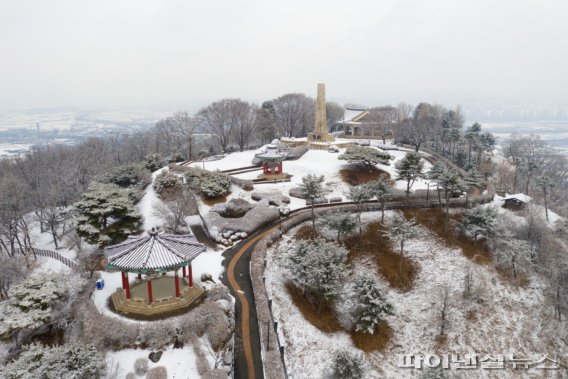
441	341
216	200
506	274
436	221
305	232
373	342
356	174
325	320
399	271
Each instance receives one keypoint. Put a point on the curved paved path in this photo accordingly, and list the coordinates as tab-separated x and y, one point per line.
248	361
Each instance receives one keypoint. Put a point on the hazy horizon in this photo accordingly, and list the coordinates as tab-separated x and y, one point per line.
181	55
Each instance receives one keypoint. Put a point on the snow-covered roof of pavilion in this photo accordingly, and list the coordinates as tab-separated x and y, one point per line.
153	252
271	152
519	197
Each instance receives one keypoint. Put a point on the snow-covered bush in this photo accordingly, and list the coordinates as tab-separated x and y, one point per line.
370	305
159	372
367	156
166	183
154	162
215	184
480	221
128	176
347	365
317	267
140	366
210	184
234	208
31	303
67	361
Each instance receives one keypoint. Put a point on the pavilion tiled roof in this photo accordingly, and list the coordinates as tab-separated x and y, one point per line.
271	152
153	252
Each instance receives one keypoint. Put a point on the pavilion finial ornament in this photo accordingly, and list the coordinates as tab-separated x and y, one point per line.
153	232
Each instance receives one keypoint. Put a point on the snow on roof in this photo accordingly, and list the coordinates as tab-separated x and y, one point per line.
153	252
271	152
351	113
519	196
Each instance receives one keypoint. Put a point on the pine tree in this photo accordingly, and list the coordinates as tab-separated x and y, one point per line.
106	213
479	222
545	183
343	223
312	189
382	190
401	230
435	174
317	267
370	305
452	184
347	365
360	195
368	156
410	168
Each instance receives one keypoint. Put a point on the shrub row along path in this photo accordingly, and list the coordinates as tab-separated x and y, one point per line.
248	359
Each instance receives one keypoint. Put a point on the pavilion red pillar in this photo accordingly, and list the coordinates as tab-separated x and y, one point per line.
265	167
140	275
125	284
279	167
150	298
183	272
176	281
190	274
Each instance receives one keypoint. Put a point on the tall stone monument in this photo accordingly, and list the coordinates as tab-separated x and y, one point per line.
320	133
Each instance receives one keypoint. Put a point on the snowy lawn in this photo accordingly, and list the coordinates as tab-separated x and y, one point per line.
319	162
180	363
505	320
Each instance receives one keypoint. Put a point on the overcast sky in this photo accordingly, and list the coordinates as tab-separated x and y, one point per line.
185	53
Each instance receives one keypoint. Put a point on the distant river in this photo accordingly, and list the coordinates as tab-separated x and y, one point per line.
555	133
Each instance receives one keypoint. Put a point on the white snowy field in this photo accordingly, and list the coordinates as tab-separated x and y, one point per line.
318	162
506	319
180	363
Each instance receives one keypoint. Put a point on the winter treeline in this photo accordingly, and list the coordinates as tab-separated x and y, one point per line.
534	168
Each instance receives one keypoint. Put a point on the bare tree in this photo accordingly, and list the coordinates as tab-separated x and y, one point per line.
173	211
217	120
334	112
385	119
243	116
293	114
443	301
186	126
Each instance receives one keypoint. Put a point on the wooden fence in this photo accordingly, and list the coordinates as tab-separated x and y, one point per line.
52	254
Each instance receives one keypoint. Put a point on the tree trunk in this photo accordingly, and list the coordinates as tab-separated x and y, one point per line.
313	217
546	205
